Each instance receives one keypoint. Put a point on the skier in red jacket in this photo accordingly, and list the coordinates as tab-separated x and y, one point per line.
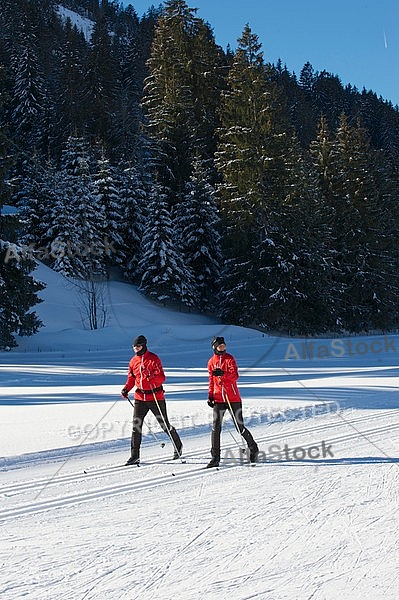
146	373
223	395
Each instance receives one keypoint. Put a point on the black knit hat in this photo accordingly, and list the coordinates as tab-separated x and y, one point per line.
217	341
140	340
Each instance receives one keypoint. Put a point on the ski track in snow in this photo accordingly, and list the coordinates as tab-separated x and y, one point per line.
40	484
302	534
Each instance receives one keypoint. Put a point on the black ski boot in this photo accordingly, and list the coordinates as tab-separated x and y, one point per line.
253	455
133	460
177	453
214	462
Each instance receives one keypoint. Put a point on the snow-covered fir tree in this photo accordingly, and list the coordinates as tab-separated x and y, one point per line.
18	295
165	277
135	191
105	188
75	238
196	232
33	198
18	288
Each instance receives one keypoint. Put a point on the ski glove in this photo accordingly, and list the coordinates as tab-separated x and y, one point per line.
218	372
125	393
211	402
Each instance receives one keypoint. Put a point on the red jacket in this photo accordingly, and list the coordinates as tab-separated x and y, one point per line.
146	373
223	388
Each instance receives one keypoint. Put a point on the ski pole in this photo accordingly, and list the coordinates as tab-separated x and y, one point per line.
149	428
166	427
234	421
235	440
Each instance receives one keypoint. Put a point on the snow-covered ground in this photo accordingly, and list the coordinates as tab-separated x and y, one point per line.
84	24
316	518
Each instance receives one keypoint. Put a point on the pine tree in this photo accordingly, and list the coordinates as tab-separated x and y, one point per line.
135	191
180	98
242	159
106	194
165	277
379	293
31	108
18	294
71	106
131	53
276	273
75	237
102	87
18	289
168	100
197	235
359	229
295	259
6	157
208	68
328	97
33	198
181	93
305	114
307	78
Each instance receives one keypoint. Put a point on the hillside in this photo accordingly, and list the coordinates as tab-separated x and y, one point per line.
240	188
127	312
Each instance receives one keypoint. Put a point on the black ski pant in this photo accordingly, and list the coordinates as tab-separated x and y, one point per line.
140	411
219	410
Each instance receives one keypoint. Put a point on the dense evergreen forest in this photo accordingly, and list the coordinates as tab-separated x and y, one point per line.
215	181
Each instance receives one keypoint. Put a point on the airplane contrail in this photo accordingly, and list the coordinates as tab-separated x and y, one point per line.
385	40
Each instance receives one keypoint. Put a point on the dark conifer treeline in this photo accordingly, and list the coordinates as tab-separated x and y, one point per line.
214	180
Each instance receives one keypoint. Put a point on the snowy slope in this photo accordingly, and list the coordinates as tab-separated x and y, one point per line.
84	24
75	523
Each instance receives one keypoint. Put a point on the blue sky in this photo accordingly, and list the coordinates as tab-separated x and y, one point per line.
358	40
